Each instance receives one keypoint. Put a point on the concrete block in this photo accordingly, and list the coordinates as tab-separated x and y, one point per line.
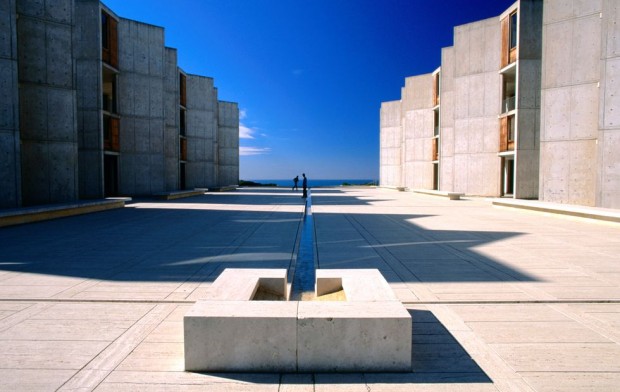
610	170
59	63
446	173
611	114
461	50
586	48
7	32
447	70
156	136
31	50
476	94
140	41
353	336
211	326
31	8
528	134
366	285
529	84
447	142
156	97
9	97
527	168
461	163
390	114
33	112
611	30
557	59
156	51
477	53
156	168
492	46
141	89
475	136
88	80
490	134
530	30
60	11
461	97
61	121
63	176
555	110
584	111
554	159
492	99
128	134
35	173
142	135
461	136
125	46
9	169
582	177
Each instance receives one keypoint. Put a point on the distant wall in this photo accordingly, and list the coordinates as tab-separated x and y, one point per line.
390	144
417	130
228	143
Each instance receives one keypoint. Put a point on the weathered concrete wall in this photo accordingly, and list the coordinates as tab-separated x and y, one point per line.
446	167
608	168
87	53
141	106
171	113
201	132
417	128
476	169
10	168
528	105
228	143
47	102
391	141
570	102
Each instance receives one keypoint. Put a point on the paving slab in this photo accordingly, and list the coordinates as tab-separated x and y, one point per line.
501	299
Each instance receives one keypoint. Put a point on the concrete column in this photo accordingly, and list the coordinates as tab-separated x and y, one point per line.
10	168
172	125
446	175
390	144
47	102
417	129
228	143
141	106
87	53
201	132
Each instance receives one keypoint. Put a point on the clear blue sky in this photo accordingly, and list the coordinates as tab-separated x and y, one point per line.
309	75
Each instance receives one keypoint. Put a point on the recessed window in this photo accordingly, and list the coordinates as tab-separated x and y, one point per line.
513	30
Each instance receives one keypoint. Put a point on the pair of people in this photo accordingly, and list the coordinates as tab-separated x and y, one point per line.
304	185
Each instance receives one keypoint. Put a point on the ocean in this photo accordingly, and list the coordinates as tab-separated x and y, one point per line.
312	183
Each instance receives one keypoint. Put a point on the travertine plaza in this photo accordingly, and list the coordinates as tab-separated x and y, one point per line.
488	298
524	105
94	105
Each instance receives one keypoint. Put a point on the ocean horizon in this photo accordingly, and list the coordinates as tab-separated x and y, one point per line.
312	183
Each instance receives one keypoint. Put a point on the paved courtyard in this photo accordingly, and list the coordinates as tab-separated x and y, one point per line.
501	299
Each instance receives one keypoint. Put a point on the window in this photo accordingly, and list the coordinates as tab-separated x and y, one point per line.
513	30
109	40
105	40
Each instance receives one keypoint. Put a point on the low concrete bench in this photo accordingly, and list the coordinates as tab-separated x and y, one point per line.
449	195
233	329
17	216
178	194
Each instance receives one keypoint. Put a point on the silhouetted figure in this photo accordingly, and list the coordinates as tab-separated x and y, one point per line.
295	181
304	186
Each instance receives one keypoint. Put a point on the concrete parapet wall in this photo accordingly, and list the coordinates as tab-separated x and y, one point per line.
228	143
391	144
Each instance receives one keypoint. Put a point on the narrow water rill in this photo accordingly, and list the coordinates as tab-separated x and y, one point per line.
332	320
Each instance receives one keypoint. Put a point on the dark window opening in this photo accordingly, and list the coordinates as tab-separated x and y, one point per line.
183	125
105	39
513	30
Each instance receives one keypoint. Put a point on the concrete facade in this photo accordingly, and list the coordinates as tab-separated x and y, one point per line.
10	168
579	135
535	122
47	106
92	106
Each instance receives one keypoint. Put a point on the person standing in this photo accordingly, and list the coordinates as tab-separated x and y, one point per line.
304	186
295	181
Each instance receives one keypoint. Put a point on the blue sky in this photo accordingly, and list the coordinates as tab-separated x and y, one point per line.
309	75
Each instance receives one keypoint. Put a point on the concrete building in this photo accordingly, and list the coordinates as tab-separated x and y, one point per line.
95	105
522	106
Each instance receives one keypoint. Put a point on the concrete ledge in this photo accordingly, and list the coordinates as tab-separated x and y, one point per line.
242	336
228	188
178	194
450	195
242	284
20	216
604	214
353	337
233	330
